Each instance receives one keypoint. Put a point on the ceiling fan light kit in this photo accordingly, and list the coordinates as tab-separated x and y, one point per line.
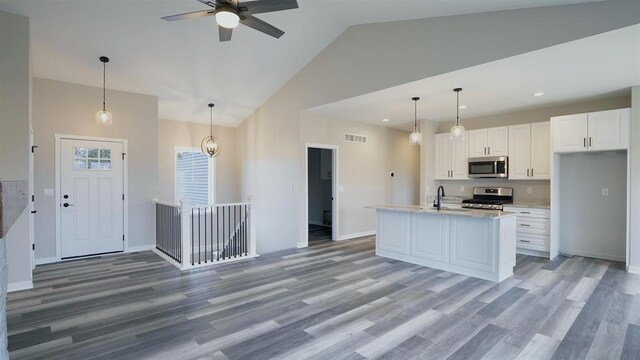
230	13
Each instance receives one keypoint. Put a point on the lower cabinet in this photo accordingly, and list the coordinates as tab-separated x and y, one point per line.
472	244
433	250
533	227
393	231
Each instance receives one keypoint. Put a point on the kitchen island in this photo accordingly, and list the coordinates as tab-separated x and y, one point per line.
477	243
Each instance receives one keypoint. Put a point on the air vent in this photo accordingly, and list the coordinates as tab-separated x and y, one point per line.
361	139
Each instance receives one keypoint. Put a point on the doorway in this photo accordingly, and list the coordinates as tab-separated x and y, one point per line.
321	193
90	196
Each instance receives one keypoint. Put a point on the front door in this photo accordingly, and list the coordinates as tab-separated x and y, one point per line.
91	197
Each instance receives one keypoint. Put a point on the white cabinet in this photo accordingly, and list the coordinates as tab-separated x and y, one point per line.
597	131
530	151
488	142
532	228
450	157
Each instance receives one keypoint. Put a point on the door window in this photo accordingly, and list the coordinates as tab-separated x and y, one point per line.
91	159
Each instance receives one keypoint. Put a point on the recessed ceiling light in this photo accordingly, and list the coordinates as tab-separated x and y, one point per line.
537	94
462	106
385	120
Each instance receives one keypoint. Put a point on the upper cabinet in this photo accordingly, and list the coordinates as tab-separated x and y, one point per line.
530	151
597	131
450	157
488	142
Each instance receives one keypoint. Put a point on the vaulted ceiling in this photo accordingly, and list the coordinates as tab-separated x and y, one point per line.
184	64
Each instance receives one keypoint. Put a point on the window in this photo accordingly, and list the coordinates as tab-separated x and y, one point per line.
194	177
91	159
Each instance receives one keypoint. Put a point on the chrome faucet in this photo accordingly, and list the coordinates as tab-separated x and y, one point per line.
437	203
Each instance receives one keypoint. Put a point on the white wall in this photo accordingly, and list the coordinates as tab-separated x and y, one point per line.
320	190
634	195
592	224
372	57
187	134
15	252
65	108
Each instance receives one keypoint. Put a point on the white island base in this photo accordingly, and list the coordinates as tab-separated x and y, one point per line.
474	243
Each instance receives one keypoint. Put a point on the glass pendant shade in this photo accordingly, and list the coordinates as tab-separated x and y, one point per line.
103	117
227	18
415	138
457	130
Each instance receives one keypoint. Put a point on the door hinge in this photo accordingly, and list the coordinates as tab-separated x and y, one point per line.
122	237
122	197
33	247
33	198
123	154
33	149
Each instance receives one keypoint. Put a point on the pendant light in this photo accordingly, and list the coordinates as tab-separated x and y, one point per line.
457	130
210	145
103	117
415	138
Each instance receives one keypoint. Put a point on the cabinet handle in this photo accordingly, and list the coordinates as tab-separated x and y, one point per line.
589	141
584	142
485	151
489	150
531	172
525	212
525	241
525	225
527	172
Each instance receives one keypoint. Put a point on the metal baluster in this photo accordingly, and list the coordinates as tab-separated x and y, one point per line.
205	234
211	221
235	234
192	225
217	234
228	237
199	235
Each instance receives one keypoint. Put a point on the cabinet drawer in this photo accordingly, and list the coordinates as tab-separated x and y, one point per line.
529	212
532	241
532	225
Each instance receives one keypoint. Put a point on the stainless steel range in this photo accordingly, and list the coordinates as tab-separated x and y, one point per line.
489	198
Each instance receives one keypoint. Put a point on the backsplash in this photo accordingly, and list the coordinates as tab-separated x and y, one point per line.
540	189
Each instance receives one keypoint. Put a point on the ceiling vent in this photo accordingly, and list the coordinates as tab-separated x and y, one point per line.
353	138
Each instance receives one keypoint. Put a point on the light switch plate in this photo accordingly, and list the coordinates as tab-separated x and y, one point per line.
605	192
341	188
529	190
48	192
461	189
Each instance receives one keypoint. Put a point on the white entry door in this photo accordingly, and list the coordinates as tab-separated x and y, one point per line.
91	197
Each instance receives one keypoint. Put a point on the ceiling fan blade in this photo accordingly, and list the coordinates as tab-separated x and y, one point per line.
255	23
224	33
211	3
263	6
189	15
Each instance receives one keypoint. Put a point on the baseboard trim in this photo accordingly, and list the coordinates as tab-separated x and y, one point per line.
633	269
48	260
18	286
131	249
537	253
356	235
594	255
302	245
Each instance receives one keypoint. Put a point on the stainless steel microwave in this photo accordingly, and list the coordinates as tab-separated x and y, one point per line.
489	167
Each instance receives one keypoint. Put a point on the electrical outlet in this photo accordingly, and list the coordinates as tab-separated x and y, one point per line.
461	189
529	190
605	192
427	189
341	188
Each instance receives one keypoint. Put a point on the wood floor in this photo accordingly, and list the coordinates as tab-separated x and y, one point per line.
329	301
319	233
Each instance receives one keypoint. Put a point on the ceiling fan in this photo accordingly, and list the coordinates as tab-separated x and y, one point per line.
230	13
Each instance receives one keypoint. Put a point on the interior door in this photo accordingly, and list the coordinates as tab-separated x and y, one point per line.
91	197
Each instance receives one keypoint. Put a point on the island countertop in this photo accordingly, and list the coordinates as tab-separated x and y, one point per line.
488	214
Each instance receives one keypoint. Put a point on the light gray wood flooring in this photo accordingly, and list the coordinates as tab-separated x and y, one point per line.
329	301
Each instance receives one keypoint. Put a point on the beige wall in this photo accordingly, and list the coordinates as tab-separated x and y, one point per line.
366	58
66	108
186	134
363	169
14	138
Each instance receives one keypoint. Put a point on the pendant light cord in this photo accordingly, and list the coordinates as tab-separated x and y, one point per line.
104	91
211	120
415	115
457	108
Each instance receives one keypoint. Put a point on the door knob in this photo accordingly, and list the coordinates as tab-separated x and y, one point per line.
67	205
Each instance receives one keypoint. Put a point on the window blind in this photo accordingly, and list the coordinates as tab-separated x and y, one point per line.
192	177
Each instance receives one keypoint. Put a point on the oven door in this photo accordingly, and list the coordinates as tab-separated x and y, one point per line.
494	167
